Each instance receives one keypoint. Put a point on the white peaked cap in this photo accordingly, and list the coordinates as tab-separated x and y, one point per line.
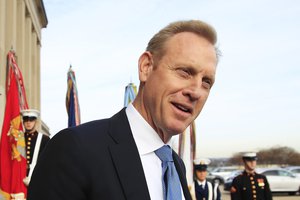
30	113
249	154
202	161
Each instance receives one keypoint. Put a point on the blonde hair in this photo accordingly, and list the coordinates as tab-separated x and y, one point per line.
156	45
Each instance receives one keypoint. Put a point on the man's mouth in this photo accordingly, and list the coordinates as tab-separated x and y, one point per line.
182	108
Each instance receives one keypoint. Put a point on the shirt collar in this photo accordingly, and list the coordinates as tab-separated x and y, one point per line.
201	183
146	138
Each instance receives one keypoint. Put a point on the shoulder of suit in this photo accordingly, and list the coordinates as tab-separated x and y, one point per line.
89	128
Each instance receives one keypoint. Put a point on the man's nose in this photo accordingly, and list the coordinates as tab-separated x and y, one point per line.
194	89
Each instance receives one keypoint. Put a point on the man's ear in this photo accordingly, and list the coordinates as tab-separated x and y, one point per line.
145	66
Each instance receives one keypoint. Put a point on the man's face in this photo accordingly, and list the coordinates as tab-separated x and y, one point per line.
29	123
250	165
201	175
177	88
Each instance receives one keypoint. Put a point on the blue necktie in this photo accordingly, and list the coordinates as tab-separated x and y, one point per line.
170	179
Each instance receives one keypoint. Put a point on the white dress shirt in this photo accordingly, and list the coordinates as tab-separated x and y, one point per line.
147	141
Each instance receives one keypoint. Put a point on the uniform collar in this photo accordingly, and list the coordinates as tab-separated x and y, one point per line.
31	134
249	173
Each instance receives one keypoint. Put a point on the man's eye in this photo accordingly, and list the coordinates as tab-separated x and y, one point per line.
207	83
183	72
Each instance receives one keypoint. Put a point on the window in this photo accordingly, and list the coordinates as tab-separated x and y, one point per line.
295	170
284	173
270	173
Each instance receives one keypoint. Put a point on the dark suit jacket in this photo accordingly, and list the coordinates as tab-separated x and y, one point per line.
94	161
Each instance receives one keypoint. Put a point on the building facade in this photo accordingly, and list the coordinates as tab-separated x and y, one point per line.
21	22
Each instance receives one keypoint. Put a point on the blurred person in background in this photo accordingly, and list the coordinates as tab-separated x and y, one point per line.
204	190
250	185
35	142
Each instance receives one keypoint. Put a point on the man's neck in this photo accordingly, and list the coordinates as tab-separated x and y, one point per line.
250	171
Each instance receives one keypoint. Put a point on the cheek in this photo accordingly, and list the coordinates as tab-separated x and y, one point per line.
200	104
156	94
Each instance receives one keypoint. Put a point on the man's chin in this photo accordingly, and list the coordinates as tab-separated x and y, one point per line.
176	127
177	131
251	169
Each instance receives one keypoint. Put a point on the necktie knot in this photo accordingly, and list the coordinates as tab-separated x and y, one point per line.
164	153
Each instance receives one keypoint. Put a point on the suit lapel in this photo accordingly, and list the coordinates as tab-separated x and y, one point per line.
181	172
126	159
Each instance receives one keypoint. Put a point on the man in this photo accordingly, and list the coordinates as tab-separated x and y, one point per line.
250	185
204	190
35	142
117	158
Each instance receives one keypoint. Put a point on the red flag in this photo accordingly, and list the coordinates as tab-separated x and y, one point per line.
12	146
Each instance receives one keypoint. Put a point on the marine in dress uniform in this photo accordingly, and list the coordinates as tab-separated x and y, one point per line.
250	185
204	190
32	142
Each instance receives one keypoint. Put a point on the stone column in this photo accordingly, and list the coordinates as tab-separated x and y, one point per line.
38	56
2	42
11	24
20	45
27	57
34	72
2	33
2	59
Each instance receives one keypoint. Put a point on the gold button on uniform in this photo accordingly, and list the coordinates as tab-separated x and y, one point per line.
28	157
28	143
252	182
29	138
28	152
253	187
251	178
